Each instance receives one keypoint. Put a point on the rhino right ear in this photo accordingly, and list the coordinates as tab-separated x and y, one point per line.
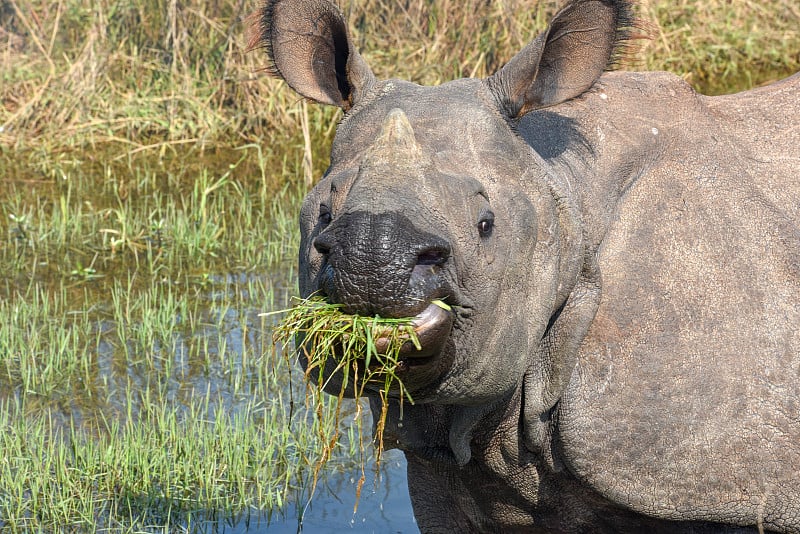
309	48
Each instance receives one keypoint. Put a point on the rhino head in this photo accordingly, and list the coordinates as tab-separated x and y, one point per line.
431	194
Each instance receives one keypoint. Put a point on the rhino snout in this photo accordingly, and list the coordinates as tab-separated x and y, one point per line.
381	264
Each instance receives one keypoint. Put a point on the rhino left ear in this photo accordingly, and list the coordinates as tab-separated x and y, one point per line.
582	40
309	47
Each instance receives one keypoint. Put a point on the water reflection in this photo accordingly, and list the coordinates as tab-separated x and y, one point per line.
383	507
158	357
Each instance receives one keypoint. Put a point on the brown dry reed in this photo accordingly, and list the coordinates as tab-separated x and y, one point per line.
157	75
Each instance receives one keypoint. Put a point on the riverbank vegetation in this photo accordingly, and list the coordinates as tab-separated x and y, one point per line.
150	176
156	75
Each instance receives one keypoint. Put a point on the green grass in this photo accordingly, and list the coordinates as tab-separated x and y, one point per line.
349	342
335	343
134	475
100	222
155	405
150	177
354	351
132	347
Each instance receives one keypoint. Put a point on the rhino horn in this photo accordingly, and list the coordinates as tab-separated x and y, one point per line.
396	142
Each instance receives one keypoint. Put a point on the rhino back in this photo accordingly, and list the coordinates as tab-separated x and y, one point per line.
765	123
685	403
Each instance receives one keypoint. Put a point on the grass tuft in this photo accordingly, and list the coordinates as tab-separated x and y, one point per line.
355	351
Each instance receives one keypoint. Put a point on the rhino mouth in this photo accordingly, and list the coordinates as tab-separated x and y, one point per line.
432	328
417	365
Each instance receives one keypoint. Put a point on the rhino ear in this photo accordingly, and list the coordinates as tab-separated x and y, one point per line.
582	40
309	48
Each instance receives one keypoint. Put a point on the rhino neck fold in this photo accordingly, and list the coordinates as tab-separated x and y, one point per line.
462	429
444	434
566	256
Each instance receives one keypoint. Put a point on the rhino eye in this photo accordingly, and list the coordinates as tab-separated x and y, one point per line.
324	215
486	224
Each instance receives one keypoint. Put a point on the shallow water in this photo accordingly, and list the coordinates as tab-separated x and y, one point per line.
147	334
383	507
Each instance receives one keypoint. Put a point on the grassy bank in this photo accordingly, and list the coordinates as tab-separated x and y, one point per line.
150	176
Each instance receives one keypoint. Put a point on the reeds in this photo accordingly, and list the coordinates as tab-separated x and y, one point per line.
150	75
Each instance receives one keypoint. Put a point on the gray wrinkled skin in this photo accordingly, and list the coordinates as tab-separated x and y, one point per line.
622	256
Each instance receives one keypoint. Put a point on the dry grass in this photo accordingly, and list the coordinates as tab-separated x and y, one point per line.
140	74
723	46
153	73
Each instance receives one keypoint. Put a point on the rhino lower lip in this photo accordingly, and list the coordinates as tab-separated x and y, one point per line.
432	327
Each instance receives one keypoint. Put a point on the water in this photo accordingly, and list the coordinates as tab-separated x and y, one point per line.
164	326
383	507
178	366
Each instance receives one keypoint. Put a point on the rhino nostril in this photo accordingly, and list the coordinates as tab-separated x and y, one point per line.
322	245
433	256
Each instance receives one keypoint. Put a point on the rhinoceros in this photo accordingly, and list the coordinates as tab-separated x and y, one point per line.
621	259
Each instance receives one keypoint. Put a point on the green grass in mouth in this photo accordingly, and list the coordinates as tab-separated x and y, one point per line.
349	342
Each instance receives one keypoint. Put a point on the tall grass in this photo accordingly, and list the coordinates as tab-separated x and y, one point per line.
724	46
154	75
